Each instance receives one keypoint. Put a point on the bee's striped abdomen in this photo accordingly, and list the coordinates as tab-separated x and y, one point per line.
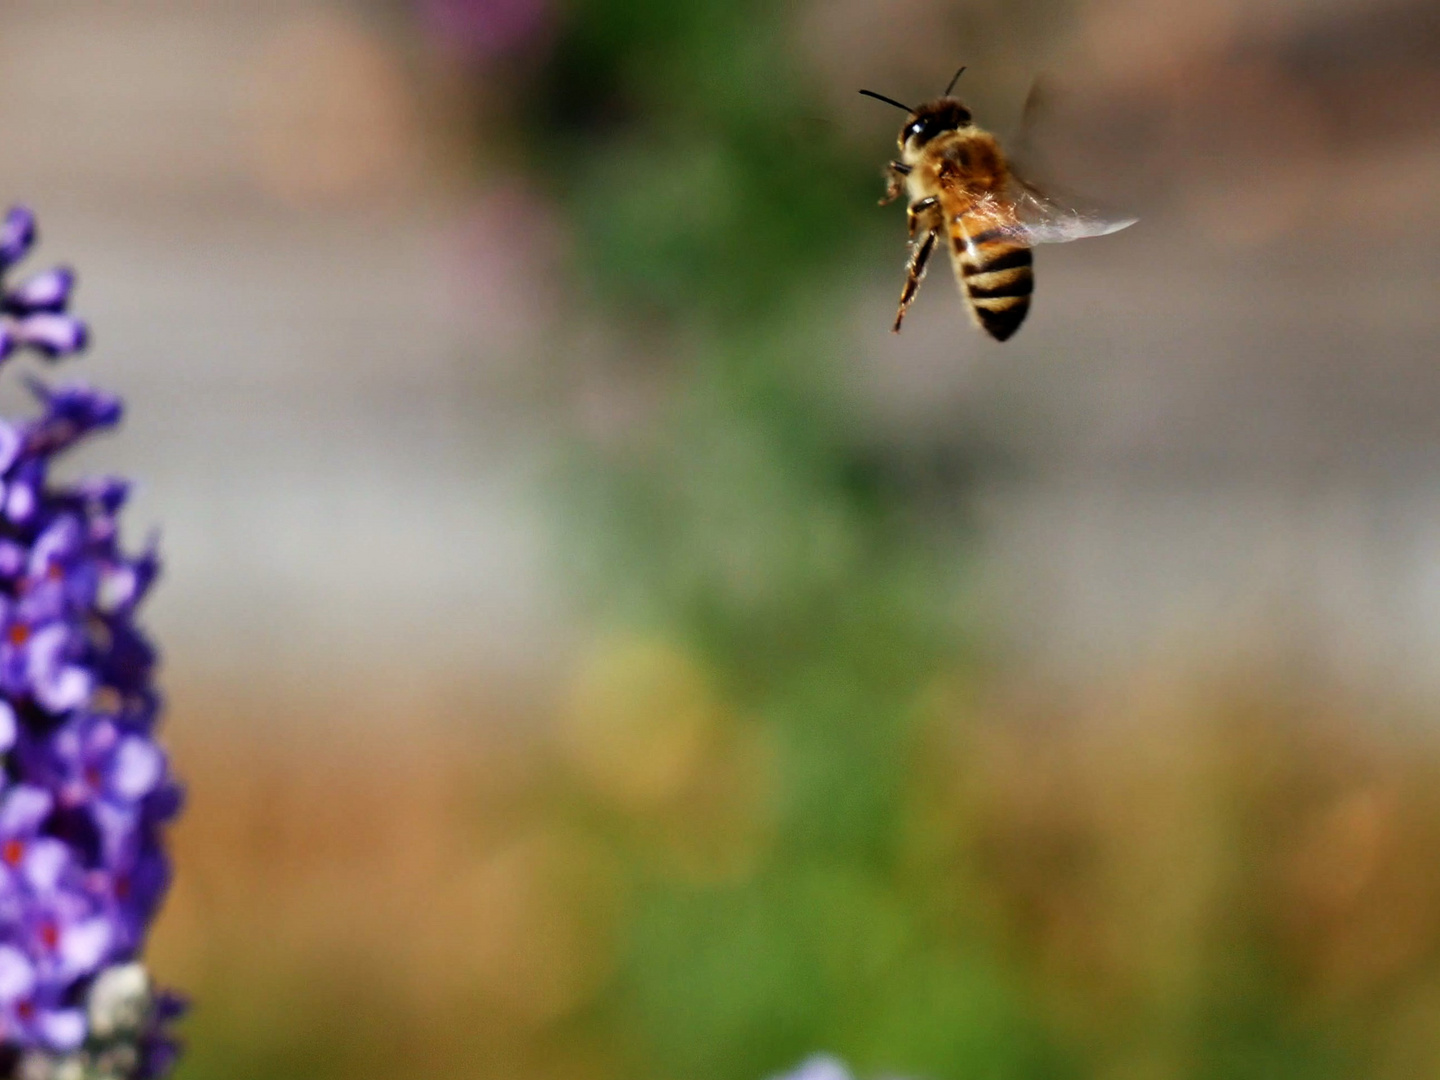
994	273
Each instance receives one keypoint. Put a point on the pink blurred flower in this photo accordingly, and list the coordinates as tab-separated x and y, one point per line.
483	29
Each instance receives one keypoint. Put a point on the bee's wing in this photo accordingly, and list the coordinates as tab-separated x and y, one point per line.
1048	213
1045	218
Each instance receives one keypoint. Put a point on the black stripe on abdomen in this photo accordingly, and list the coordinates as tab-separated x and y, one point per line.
1019	282
1009	259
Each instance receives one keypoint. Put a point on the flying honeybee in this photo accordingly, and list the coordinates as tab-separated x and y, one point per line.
961	188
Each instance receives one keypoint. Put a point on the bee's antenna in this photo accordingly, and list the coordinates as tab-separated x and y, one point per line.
954	81
888	101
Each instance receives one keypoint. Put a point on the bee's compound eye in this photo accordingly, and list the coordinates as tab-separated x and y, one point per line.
918	130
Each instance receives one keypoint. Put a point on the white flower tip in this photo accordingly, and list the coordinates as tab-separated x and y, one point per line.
119	1000
818	1067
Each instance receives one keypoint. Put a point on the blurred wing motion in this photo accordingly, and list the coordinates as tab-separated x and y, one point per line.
1029	216
1048	214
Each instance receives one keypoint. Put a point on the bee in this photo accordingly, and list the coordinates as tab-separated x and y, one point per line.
962	189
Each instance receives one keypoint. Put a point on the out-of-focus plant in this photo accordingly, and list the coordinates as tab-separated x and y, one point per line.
776	599
696	161
86	791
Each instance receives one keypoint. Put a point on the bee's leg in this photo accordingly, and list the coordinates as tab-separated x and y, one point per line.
914	274
919	212
895	174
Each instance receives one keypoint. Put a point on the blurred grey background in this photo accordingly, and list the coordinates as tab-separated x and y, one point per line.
322	314
309	311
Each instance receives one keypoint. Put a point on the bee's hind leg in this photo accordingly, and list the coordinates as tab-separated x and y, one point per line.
914	274
923	216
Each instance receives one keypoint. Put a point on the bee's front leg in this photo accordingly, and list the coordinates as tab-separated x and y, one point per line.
895	174
914	274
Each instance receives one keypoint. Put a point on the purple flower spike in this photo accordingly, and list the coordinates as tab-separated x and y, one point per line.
86	793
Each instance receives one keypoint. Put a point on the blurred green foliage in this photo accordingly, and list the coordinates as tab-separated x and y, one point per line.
694	159
763	530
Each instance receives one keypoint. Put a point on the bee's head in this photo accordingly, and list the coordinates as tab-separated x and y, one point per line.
932	119
929	120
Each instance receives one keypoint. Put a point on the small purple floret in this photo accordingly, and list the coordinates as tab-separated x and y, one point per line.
17	234
47	291
32	312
